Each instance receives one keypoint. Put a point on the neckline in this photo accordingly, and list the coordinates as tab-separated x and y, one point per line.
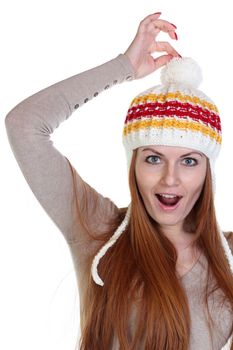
193	268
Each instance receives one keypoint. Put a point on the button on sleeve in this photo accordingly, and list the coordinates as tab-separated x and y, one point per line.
129	77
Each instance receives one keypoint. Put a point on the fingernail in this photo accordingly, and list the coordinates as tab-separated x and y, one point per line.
173	25
180	55
157	13
176	36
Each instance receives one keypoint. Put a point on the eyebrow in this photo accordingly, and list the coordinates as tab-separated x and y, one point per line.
184	155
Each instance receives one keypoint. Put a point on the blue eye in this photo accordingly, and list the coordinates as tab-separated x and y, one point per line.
192	160
151	157
152	160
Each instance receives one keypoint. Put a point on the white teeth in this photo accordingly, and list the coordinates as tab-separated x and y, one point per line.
168	195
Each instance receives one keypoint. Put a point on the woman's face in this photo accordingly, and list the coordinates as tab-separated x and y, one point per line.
169	170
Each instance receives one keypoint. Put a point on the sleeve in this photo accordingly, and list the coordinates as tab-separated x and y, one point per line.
47	171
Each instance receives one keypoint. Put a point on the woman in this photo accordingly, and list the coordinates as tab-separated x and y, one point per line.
166	282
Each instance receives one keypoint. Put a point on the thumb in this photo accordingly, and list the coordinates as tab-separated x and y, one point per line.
162	60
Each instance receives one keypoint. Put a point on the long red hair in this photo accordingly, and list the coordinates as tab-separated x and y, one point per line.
139	274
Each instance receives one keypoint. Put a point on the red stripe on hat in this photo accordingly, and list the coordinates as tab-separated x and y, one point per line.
174	108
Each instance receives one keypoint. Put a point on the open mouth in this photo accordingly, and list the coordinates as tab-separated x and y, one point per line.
169	202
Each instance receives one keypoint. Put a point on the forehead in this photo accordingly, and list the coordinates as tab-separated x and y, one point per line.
168	150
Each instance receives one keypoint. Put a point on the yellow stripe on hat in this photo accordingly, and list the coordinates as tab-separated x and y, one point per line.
166	123
174	96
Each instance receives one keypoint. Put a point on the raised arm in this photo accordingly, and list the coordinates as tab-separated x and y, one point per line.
31	122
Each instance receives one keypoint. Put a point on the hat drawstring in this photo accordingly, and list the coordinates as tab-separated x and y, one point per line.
122	228
104	249
227	250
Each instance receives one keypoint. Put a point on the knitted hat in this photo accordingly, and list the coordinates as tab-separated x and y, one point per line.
174	113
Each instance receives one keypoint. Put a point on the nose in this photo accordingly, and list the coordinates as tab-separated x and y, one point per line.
170	175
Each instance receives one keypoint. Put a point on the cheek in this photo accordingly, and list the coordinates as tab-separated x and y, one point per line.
195	191
145	180
194	180
198	189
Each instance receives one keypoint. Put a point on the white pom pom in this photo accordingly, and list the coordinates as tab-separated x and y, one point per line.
181	71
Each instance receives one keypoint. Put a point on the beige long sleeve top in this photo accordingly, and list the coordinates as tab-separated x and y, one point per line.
47	172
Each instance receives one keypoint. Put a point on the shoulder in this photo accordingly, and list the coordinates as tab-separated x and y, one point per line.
229	237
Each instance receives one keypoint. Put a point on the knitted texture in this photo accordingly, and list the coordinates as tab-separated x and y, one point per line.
174	113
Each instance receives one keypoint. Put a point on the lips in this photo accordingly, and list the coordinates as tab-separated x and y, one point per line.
168	201
168	204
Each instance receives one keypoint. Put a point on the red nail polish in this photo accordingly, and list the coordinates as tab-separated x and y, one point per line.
157	13
176	36
173	25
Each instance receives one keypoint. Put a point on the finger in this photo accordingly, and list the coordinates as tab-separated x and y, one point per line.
151	29
163	25
163	46
151	17
162	60
155	31
148	20
155	26
172	34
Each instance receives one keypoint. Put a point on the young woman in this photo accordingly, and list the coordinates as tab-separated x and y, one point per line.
158	274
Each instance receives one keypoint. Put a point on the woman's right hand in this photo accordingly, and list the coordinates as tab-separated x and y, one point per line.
144	44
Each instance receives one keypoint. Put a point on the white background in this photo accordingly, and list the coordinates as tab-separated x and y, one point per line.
43	42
